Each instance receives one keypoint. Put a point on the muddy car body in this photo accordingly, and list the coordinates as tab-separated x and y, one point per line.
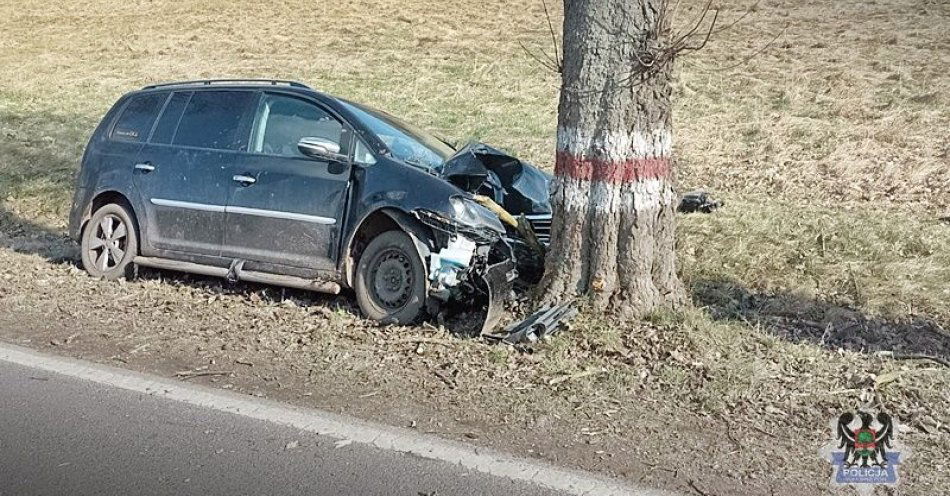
273	182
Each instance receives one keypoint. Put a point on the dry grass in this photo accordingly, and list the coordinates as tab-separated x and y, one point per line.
831	148
850	102
883	263
844	116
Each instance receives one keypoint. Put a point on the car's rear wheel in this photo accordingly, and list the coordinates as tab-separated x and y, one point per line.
391	279
109	243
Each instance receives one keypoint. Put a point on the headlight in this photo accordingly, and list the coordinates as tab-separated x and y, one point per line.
463	210
469	213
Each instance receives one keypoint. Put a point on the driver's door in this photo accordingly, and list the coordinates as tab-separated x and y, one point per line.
286	208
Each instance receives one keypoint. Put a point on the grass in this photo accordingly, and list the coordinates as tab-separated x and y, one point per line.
830	148
830	145
849	104
882	262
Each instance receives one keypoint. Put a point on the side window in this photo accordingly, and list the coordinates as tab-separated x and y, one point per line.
168	122
362	155
283	120
138	116
213	119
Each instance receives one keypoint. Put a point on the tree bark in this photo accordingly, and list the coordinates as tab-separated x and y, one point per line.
613	234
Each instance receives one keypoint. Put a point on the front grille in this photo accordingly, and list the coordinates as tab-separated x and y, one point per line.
541	223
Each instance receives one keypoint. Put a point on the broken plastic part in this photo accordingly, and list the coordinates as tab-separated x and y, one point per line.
540	324
532	263
510	189
451	227
699	201
458	252
498	280
446	264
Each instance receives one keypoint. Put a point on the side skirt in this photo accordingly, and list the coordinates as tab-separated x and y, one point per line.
241	275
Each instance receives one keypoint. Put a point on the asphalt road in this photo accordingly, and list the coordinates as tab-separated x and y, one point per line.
66	436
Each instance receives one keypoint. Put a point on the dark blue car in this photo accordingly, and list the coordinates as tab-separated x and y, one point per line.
273	182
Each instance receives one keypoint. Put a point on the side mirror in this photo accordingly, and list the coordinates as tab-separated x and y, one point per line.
321	149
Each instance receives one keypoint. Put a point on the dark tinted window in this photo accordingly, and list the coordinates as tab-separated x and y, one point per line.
138	116
282	121
213	119
168	122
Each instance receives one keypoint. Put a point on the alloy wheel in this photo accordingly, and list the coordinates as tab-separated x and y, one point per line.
109	242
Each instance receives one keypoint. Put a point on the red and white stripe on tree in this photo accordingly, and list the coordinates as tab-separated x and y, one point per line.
614	226
598	171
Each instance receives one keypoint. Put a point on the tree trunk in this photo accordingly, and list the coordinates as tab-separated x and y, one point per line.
614	227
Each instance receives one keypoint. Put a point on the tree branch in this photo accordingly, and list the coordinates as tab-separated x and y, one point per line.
553	63
557	50
549	64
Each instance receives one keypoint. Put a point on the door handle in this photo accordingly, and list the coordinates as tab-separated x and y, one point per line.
245	180
144	167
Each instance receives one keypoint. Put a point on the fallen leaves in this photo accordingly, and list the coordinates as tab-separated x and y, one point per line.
571	377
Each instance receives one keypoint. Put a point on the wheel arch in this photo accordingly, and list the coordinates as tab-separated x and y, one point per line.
377	222
105	198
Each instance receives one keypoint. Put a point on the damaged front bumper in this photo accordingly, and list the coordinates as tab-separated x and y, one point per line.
499	280
470	263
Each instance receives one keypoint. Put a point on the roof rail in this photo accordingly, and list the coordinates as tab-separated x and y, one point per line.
209	82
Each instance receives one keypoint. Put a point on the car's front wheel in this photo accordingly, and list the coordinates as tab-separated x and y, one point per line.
390	280
109	243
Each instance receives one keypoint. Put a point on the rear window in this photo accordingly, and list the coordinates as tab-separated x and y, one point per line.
215	119
138	116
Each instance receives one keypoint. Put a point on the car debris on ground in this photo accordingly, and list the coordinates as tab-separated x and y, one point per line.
699	201
539	325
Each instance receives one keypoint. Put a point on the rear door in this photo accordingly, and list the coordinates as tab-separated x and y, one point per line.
116	152
285	208
182	174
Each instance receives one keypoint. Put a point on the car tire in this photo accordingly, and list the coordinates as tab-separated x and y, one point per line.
390	280
110	243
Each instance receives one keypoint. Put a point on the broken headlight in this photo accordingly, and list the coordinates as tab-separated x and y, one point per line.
470	213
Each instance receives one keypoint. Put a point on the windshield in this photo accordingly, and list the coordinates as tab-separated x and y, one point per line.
405	141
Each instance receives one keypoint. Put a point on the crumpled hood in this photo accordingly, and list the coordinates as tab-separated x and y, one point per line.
521	188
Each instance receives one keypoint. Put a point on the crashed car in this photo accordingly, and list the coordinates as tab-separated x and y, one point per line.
273	182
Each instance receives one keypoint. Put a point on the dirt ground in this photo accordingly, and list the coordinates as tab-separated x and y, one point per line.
823	124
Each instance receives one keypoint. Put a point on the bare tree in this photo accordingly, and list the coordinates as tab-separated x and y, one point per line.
614	226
